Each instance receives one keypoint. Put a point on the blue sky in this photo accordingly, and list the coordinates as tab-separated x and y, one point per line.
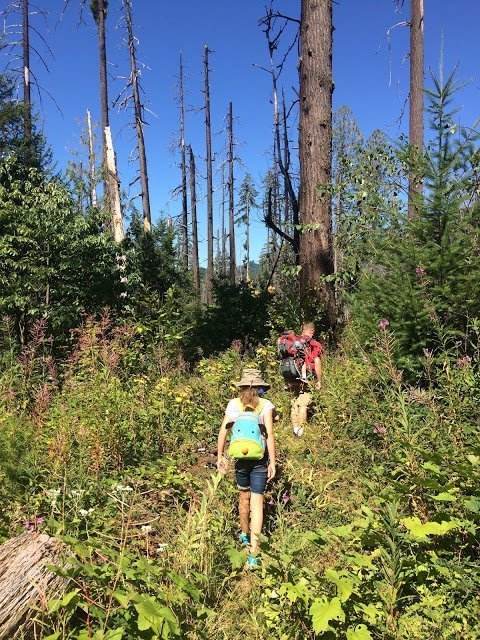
370	76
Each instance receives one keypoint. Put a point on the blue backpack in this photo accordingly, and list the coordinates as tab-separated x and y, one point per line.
247	441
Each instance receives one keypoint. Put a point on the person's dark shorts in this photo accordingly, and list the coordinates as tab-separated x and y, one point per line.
251	475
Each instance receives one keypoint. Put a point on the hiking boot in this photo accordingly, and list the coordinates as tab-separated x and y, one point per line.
244	540
252	562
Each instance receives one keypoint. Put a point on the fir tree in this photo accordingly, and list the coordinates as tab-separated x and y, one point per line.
247	202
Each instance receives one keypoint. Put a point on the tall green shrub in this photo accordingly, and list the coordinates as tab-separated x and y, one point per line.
54	262
424	273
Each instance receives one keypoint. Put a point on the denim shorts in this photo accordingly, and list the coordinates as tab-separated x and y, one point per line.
251	475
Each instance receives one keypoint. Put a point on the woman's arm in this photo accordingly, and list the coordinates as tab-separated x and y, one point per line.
222	437
268	422
318	372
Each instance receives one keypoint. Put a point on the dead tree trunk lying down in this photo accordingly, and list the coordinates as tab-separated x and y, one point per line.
25	581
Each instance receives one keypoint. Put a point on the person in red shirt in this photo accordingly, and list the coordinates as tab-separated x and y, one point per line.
300	388
313	353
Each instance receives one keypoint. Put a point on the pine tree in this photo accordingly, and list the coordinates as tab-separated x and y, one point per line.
315	155
247	202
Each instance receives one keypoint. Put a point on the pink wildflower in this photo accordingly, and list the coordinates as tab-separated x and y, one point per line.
420	271
383	324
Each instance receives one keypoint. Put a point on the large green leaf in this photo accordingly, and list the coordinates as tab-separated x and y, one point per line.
343	583
324	611
114	634
445	496
237	558
420	531
472	504
360	632
155	616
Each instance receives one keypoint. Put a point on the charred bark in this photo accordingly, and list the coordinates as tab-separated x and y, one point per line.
231	212
193	208
91	162
208	133
184	170
224	234
27	98
110	178
139	122
416	125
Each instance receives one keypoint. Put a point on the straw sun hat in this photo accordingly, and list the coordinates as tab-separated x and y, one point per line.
252	378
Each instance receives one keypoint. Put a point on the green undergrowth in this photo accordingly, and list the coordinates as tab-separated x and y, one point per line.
371	526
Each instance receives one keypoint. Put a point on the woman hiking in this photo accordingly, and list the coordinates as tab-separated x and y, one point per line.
251	475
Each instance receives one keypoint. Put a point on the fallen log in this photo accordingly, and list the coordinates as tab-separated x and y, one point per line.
25	580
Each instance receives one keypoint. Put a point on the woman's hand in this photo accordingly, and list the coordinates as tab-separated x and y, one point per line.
271	471
222	464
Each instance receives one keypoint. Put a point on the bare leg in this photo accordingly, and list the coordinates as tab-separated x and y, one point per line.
294	415
302	416
256	510
244	510
294	412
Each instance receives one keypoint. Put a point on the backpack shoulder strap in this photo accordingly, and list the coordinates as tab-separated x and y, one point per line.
260	406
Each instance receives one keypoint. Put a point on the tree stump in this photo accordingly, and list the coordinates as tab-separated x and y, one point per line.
25	580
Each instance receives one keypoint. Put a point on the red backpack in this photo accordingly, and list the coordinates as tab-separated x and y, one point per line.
292	355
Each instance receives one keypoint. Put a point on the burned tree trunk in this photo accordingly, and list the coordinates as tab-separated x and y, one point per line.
100	20
91	162
110	179
184	170
193	207
276	221
115	205
138	111
208	132
231	217
315	154
25	581
224	234
286	165
27	99
416	102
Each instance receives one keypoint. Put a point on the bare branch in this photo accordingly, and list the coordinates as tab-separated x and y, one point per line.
268	219
50	95
403	23
80	15
43	40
